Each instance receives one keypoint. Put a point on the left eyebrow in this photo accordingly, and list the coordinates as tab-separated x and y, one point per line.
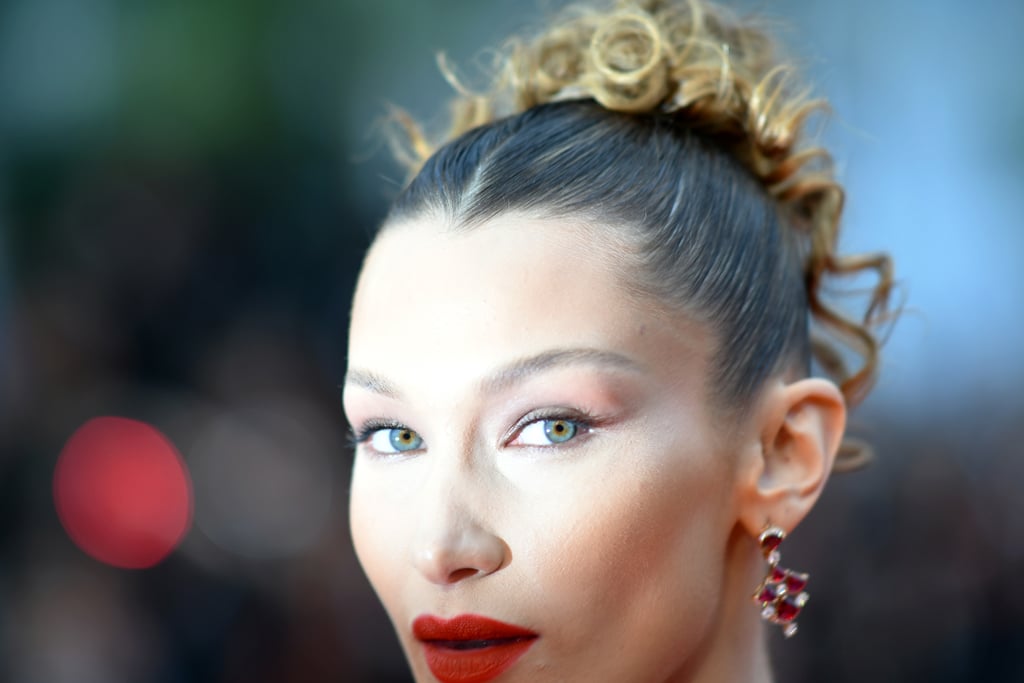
514	373
520	370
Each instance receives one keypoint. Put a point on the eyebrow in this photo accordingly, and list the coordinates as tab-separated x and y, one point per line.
511	374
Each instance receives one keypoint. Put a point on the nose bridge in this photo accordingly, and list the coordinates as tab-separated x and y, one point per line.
455	538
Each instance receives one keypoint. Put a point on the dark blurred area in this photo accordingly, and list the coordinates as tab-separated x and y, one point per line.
186	192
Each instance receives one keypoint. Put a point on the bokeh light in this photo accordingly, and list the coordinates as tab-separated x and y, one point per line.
122	492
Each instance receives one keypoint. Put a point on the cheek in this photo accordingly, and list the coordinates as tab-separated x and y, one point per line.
635	559
637	520
376	525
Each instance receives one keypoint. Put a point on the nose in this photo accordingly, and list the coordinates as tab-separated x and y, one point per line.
459	554
453	542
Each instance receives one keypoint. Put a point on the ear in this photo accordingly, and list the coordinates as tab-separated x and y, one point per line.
800	427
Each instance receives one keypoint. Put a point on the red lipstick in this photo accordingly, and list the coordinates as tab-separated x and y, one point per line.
470	648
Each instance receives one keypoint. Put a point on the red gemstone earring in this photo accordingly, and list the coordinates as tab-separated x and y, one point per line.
781	594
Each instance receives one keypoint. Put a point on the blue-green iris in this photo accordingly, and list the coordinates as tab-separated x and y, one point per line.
559	431
404	439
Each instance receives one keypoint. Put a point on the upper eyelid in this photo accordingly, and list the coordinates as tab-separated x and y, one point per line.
374	425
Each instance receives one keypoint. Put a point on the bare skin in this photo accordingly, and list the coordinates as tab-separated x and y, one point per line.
540	450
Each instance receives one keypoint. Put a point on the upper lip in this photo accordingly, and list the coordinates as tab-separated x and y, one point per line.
428	627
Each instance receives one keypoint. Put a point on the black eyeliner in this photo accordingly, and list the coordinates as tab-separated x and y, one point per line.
583	419
374	425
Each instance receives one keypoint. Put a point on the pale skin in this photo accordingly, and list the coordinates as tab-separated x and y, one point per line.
629	546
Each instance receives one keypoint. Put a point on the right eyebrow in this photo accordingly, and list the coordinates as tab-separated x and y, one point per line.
511	374
371	381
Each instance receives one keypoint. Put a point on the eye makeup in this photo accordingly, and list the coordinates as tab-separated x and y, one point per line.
365	432
581	402
584	421
581	423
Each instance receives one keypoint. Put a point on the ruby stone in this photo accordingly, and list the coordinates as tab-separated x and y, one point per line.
771	542
768	594
786	610
796	582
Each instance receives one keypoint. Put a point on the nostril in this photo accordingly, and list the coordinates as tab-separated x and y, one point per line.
460	574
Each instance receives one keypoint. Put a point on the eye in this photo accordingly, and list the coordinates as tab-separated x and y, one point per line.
395	440
548	432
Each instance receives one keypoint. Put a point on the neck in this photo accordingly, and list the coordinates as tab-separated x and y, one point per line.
735	649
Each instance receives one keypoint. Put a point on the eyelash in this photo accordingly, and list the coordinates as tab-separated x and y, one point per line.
363	434
585	421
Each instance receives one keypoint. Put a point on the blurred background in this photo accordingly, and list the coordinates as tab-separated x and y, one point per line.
186	191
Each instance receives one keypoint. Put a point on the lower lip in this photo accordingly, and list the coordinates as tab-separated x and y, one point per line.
476	665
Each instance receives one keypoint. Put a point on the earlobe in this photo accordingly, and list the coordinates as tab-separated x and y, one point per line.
801	428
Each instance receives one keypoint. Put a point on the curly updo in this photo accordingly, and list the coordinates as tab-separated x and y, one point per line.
673	124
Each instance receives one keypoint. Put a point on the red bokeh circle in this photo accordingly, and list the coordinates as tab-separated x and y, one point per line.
123	492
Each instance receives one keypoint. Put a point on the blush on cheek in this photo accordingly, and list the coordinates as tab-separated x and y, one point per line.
630	555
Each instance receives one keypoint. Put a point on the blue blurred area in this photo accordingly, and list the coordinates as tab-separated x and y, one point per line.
930	131
186	189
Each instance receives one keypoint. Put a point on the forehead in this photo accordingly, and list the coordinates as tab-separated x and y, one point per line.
436	304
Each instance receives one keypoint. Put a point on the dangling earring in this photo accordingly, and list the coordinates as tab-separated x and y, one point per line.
781	594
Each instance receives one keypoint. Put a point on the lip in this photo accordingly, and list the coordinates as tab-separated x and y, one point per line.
469	648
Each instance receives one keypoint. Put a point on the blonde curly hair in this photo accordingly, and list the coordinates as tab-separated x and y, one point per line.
718	75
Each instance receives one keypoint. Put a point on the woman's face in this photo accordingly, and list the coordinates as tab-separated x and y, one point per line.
540	451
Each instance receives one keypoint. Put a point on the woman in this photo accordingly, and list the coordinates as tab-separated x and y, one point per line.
579	362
